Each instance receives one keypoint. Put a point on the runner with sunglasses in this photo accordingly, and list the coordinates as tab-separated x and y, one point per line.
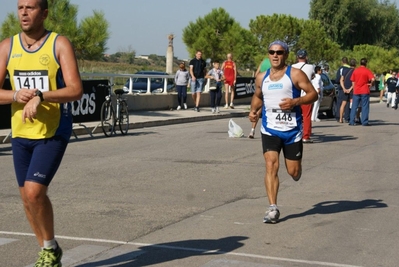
278	94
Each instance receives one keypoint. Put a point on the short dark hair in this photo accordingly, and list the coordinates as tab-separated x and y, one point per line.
352	62
317	68
43	4
345	60
363	61
216	61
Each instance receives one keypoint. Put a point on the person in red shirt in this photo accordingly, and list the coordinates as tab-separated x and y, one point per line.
362	78
230	74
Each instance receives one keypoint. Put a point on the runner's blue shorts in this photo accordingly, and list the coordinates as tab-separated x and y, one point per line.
37	160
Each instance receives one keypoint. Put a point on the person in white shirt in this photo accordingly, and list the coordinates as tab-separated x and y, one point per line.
318	85
308	69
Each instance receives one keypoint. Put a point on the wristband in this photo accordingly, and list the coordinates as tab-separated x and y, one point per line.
14	97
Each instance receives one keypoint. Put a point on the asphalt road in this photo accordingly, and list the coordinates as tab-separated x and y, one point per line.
187	195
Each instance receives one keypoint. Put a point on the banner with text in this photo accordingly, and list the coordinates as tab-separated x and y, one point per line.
88	108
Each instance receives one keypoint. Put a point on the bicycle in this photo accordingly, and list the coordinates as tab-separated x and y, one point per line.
109	118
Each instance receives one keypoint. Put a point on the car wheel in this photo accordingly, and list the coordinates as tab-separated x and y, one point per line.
331	113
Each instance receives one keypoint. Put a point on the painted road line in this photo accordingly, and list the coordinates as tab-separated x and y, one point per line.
4	241
113	257
231	263
78	254
247	255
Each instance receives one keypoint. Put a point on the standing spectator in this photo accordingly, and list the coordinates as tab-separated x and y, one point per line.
278	94
381	85
341	94
197	73
347	91
262	68
362	78
318	85
215	86
302	58
181	80
230	75
392	87
41	120
326	69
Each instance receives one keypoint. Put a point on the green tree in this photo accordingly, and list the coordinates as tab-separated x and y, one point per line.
266	29
318	44
90	43
89	39
354	22
297	33
379	59
216	34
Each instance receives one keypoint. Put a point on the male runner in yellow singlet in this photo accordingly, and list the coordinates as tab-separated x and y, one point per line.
44	76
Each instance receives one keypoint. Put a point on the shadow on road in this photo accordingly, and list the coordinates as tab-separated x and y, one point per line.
165	252
330	207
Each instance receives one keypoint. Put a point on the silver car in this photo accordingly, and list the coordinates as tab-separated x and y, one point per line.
329	102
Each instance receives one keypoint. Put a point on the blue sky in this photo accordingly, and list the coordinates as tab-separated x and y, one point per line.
144	26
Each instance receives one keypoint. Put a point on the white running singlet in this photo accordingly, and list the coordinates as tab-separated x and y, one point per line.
286	124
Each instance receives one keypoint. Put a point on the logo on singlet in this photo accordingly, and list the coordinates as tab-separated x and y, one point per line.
44	59
275	86
16	55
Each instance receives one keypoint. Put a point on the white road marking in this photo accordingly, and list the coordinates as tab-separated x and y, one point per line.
4	241
247	255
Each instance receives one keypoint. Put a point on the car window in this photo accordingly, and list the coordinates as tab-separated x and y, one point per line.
139	80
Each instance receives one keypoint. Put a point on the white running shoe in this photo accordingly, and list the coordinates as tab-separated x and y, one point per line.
213	111
226	106
231	105
185	106
178	107
217	110
272	215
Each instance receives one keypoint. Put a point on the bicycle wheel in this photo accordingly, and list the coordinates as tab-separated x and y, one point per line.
108	118
123	118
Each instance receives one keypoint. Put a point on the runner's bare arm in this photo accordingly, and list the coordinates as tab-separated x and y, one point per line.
301	81
257	99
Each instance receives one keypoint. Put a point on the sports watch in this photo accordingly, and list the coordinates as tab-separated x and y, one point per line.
39	94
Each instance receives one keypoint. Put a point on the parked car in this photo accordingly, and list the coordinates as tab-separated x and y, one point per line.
329	102
156	83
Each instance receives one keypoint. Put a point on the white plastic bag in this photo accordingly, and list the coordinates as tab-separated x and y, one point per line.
235	130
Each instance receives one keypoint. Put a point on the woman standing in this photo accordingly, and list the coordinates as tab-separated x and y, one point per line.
181	80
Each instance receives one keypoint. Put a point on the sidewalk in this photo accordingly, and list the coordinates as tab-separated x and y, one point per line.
142	119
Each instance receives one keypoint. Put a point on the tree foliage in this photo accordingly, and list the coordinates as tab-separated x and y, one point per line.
89	39
217	34
90	42
355	22
297	33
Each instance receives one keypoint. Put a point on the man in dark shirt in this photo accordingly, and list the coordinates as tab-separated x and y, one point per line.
392	87
341	93
197	72
347	91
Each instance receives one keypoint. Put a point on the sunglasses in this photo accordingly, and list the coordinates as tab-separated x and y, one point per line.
278	52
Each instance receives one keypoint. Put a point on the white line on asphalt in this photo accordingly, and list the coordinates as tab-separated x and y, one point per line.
320	263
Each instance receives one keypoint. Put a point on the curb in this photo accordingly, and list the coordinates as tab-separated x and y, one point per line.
95	128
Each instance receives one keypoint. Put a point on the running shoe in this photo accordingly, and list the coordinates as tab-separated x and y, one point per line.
252	134
185	106
213	111
217	110
231	105
226	106
49	258
178	107
272	215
